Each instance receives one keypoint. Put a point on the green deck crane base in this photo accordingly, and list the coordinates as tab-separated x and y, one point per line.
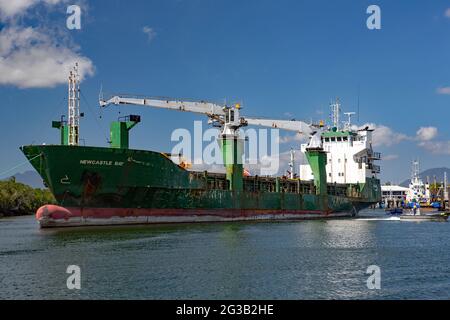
317	160
232	148
64	132
119	133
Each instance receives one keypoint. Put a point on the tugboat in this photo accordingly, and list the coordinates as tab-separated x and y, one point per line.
415	215
436	216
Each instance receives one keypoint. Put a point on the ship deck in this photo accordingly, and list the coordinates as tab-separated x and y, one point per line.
257	183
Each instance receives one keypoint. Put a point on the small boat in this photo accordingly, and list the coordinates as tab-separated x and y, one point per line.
435	216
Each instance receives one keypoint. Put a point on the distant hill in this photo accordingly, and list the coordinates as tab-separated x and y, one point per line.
30	178
431	173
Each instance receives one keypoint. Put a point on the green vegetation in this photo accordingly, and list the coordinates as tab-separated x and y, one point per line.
19	199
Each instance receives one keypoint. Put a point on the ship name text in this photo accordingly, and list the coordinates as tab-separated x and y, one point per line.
102	162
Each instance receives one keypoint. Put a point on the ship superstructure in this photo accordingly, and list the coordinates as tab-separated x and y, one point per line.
350	156
419	192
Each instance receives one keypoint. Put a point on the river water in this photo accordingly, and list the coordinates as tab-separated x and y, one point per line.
256	260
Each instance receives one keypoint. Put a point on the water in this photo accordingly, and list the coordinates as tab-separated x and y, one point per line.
278	260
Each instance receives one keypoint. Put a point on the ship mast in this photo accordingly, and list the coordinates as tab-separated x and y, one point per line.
74	106
348	124
292	164
335	113
415	172
445	196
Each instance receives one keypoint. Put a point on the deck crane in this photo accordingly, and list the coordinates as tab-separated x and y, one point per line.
229	120
226	117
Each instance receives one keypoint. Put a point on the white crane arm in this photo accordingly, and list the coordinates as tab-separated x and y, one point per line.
210	109
291	125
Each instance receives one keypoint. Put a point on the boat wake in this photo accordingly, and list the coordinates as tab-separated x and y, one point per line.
380	219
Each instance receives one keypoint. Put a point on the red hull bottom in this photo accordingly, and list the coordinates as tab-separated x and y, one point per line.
56	216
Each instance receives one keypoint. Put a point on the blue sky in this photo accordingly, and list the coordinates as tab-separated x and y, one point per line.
277	57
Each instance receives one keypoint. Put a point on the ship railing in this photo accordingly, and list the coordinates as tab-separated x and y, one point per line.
376	169
375	156
269	184
263	184
337	189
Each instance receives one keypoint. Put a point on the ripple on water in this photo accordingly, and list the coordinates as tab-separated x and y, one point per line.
281	260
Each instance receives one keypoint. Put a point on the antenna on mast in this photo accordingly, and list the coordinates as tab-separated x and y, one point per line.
415	170
100	94
445	187
335	113
348	124
74	106
357	110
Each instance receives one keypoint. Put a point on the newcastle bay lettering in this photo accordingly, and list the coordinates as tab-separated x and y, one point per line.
101	162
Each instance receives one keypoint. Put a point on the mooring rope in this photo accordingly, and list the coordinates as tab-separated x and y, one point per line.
20	164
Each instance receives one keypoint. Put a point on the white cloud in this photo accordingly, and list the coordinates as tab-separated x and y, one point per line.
30	58
389	157
436	147
150	32
426	133
36	57
384	136
447	13
300	138
443	90
11	8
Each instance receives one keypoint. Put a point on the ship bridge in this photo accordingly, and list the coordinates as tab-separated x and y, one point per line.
350	157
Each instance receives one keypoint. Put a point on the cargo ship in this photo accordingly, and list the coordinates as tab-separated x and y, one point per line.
118	185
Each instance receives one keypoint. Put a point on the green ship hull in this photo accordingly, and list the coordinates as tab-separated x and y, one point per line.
102	186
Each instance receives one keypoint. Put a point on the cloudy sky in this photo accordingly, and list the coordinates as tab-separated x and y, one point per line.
281	59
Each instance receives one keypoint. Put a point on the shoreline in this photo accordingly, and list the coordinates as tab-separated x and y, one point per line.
14	214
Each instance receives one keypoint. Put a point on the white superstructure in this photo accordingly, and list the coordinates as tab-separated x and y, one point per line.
350	157
418	190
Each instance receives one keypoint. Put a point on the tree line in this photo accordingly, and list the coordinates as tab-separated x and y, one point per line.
19	199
